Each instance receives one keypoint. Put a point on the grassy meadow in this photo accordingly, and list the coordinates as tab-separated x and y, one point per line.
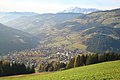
102	71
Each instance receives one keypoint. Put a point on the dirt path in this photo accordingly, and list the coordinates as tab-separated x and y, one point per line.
37	73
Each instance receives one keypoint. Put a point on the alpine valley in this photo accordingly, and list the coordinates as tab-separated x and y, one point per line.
96	32
73	44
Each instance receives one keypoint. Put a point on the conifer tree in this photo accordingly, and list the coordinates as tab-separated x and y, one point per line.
70	64
77	61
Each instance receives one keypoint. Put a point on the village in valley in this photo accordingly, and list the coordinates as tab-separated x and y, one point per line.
42	55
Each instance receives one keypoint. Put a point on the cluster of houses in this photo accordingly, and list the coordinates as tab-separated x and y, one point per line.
34	57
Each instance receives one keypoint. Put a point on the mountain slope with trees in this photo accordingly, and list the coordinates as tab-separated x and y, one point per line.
15	40
99	31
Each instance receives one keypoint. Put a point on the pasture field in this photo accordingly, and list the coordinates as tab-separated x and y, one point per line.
101	71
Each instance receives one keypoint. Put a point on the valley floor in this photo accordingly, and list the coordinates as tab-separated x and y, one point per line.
102	71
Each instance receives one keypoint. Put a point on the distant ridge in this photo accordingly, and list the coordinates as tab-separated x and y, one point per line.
8	16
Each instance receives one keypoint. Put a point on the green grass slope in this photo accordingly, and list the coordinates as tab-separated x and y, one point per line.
101	71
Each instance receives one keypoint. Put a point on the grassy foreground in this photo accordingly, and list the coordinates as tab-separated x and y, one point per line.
101	71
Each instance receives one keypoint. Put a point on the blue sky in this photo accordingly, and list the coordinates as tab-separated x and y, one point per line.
53	6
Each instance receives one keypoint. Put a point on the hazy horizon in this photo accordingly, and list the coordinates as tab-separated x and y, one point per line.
54	6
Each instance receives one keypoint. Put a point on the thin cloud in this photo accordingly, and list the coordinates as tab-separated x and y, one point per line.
116	0
43	6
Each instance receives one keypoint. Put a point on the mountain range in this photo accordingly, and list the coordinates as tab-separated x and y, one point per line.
36	23
8	16
96	32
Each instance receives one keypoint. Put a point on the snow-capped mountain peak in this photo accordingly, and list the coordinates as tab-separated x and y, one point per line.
79	10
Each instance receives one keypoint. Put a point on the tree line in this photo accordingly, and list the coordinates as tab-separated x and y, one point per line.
82	60
51	66
79	60
8	69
